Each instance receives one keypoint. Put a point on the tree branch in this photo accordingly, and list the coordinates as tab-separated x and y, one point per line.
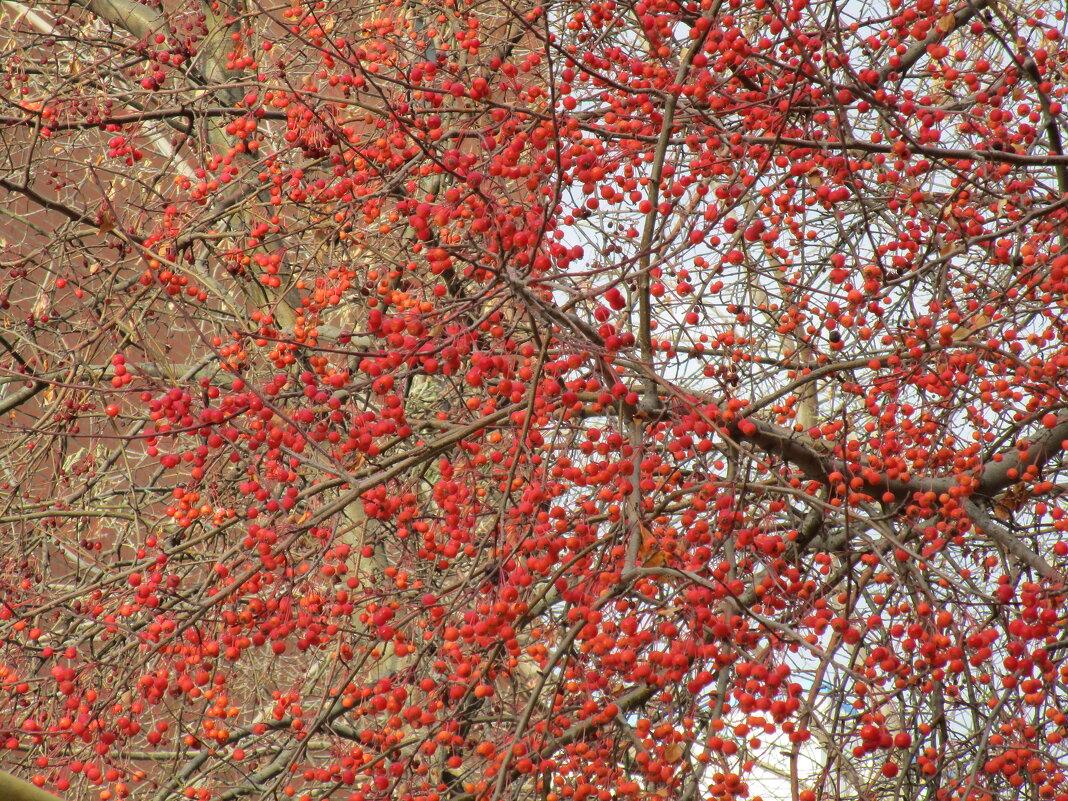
1007	539
136	19
14	789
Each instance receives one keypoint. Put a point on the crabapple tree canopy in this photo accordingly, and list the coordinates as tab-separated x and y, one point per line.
462	400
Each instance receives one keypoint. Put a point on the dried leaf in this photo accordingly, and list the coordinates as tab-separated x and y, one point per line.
43	302
974	325
650	552
947	23
1010	501
656	559
673	753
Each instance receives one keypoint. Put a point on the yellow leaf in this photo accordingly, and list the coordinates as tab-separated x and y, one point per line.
947	23
973	326
650	552
657	559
